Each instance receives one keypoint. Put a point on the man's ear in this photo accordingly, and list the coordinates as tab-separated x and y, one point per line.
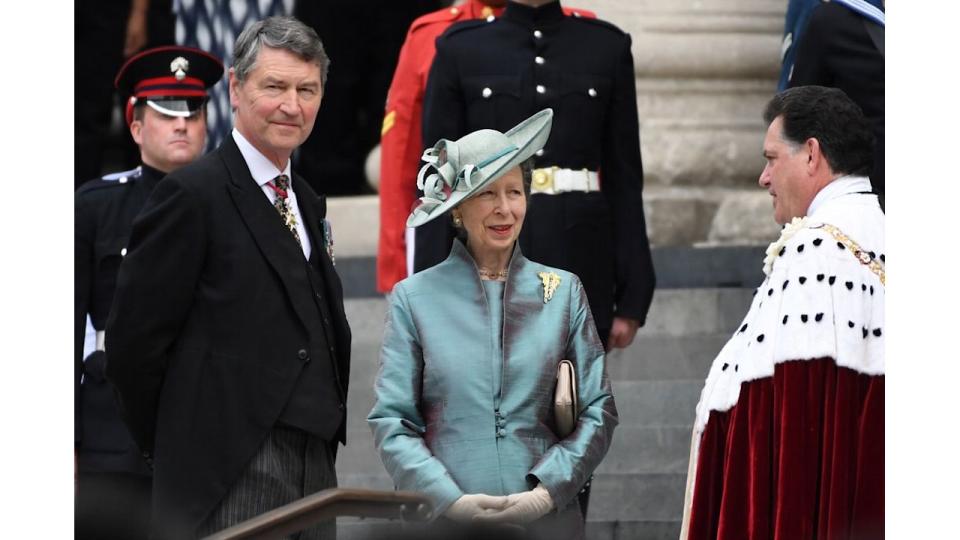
815	157
234	85
136	131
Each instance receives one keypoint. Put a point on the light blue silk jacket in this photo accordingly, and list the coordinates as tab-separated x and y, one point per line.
438	422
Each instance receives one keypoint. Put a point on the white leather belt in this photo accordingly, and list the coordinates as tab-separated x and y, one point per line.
554	180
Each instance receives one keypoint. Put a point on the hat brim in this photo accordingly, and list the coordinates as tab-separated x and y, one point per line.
527	137
178	108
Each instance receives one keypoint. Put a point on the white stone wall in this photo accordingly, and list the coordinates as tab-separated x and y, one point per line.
705	69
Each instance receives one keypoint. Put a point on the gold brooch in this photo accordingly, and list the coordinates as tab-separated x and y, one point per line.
550	282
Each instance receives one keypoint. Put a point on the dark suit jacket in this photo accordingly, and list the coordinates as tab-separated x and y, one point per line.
207	335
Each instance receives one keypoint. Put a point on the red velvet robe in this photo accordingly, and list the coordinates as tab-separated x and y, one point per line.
789	440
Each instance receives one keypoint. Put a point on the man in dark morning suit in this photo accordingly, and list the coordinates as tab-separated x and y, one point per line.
586	207
842	47
228	341
165	89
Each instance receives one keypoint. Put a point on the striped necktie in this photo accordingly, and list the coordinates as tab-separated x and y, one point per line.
280	185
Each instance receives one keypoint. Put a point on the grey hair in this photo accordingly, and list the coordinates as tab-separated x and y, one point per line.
285	33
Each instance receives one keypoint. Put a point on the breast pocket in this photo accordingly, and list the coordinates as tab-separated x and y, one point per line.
584	100
493	101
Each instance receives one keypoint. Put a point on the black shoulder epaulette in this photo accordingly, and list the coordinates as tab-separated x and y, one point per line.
110	180
602	23
463	26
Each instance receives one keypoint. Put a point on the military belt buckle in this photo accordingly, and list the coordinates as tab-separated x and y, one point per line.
543	180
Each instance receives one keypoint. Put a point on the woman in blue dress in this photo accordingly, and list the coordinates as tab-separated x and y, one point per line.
464	396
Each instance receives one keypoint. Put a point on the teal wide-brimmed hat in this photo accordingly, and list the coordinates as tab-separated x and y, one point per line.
472	162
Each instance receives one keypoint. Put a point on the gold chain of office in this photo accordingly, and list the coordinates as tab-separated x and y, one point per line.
865	258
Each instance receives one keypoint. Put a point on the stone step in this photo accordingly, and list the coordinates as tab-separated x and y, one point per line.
685	312
374	479
637	497
632	530
349	528
658	357
644	450
657	403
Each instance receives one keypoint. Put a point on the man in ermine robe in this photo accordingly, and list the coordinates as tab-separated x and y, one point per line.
788	440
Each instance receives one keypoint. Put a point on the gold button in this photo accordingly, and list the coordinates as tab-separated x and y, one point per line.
486	11
454	10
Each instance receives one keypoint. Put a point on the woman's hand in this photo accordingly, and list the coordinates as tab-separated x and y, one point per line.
474	506
522	507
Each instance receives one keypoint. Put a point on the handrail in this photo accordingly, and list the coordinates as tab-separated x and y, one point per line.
327	504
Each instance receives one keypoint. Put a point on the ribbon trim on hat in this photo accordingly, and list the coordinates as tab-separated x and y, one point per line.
438	186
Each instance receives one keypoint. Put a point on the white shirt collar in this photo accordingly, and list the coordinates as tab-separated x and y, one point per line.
845	185
261	168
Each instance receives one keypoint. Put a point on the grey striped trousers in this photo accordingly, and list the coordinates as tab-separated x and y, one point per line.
290	464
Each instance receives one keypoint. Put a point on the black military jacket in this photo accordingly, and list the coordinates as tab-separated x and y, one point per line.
837	50
494	74
104	212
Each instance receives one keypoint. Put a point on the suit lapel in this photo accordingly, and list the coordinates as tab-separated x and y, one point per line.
272	238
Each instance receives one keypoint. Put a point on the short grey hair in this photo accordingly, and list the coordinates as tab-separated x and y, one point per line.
285	33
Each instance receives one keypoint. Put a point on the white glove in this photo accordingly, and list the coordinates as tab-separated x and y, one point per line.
522	507
471	506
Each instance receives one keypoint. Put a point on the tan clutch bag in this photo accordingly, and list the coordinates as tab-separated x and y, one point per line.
565	404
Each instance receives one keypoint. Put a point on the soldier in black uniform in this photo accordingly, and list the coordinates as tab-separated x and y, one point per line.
167	89
586	209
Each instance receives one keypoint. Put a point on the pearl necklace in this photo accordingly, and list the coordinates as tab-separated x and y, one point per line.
490	274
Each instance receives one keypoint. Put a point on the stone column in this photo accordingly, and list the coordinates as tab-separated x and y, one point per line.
705	69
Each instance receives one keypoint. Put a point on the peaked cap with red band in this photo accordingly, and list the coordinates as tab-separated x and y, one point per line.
172	79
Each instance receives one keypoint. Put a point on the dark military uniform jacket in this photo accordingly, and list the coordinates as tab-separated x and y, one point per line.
104	211
496	74
837	50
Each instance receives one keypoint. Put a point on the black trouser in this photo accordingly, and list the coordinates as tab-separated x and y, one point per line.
112	505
